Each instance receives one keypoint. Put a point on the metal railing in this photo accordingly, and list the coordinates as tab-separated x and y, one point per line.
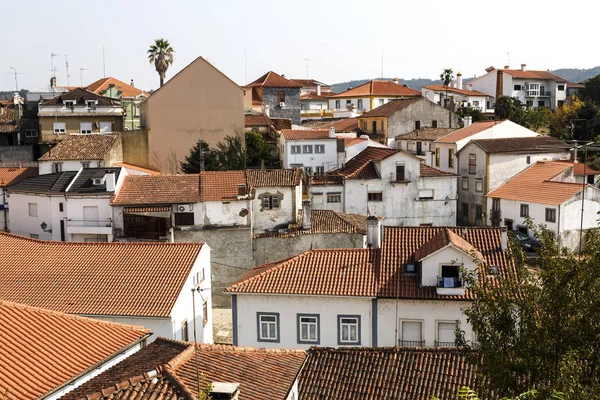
445	344
445	282
97	223
411	343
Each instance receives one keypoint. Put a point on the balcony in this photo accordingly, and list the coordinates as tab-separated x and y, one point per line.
411	343
450	286
537	93
90	226
445	344
316	114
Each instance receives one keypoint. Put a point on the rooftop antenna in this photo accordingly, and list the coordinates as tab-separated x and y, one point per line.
103	64
81	75
16	82
507	58
52	68
306	60
67	67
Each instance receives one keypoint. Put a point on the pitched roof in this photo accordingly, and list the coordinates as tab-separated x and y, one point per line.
135	279
273	80
391	107
531	74
343	125
157	189
348	142
361	166
380	88
81	147
302	134
221	185
274	177
534	144
370	273
146	171
41	350
314	96
580	169
8	121
385	373
429	172
309	82
47	183
80	96
535	185
83	183
467	132
10	175
427	134
127	90
257	120
464	92
444	238
324	222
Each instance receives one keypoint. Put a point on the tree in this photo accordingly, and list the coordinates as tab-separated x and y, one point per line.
475	114
230	155
191	165
591	91
510	108
539	330
161	55
537	117
257	150
558	121
447	76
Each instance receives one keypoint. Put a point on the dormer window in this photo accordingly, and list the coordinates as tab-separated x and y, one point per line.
69	103
97	181
90	103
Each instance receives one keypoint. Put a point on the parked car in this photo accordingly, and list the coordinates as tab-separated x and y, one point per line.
527	243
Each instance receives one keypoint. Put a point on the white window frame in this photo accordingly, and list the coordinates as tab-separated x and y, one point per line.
267	319
465	183
424	194
57	167
271	202
310	321
86	125
319	170
307	149
32	209
437	329
295	149
333	198
69	103
533	89
402	339
478	185
319	148
344	322
59	127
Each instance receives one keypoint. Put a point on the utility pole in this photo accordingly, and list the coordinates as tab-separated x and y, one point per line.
507	58
67	67
16	82
81	75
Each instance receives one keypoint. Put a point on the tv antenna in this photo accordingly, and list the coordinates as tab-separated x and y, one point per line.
507	58
81	75
67	67
306	60
16	82
52	68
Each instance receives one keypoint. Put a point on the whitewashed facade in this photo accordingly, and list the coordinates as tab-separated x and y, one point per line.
315	155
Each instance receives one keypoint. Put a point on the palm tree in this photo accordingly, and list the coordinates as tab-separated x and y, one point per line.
161	55
447	76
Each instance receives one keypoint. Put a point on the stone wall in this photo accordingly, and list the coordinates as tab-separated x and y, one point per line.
292	103
12	154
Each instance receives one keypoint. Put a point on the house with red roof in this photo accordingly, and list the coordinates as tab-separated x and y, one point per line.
275	96
10	175
458	95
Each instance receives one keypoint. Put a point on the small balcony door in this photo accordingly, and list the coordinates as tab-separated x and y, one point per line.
374	127
90	216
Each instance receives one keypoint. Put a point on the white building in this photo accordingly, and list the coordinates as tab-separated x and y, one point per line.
142	284
315	151
413	297
461	97
390	183
447	146
547	193
8	176
70	206
533	88
420	142
485	164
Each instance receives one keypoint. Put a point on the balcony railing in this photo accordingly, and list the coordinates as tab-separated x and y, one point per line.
445	344
98	223
411	343
449	282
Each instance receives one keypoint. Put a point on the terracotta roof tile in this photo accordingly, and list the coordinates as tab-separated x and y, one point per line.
271	79
40	350
429	172
428	134
380	88
274	177
385	373
444	238
128	91
309	82
534	144
10	175
580	169
391	107
324	222
361	166
8	121
80	95
343	125
464	92
257	120
81	147
351	142
221	185
324	96
535	185
157	189
136	279
531	74
136	168
468	131
302	134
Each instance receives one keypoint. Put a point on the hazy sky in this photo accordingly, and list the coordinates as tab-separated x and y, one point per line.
343	40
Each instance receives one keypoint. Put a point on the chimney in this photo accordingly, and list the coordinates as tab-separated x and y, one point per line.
53	82
318	89
109	180
224	390
507	67
306	211
459	81
467	121
242	189
373	232
504	238
131	84
523	67
396	81
499	84
332	132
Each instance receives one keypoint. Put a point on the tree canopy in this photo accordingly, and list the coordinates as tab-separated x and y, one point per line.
591	91
161	55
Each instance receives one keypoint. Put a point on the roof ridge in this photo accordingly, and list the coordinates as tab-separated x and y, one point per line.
123	385
245	349
100	244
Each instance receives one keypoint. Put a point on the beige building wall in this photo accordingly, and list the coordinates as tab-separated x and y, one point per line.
136	148
72	125
200	102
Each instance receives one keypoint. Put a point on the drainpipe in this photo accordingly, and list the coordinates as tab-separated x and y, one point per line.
558	232
5	214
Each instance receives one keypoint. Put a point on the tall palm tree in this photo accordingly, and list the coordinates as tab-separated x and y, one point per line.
447	76
161	55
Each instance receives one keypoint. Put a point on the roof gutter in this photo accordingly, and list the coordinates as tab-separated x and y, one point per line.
74	179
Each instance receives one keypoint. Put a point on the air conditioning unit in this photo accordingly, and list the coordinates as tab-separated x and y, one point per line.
282	104
180	208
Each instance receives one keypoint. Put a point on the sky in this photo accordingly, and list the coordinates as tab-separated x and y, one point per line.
342	40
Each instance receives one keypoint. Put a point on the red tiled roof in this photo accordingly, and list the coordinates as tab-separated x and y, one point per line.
351	142
136	168
580	169
380	88
157	189
324	222
301	134
221	185
361	166
427	134
530	74
467	132
533	144
464	92
428	172
391	107
535	185
41	350
274	177
344	125
129	279
385	373
309	82
9	175
128	91
271	79
257	120
314	96
370	273
81	147
444	238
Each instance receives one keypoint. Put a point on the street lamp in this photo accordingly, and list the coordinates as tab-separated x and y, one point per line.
44	225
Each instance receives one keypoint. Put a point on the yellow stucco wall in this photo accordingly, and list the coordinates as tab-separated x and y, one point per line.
72	125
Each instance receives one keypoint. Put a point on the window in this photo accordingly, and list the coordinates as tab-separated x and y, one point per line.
319	170
90	103
437	157
381	102
85	164
270	202
472	164
528	159
561	87
34	236
409	269
348	329
334	197
465	183
85	127
281	96
400	173
307	149
319	148
517	87
465	210
476	103
417	125
412	333
308	328
348	102
375	196
60	127
550	214
450	158
268	327
446	333
541	103
364	125
137	111
529	103
524	210
478	213
184	219
184	331
61	207
308	171
434	123
360	104
31	133
57	167
533	90
69	103
204	313
296	149
382	125
478	185
337	104
33	210
425	194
